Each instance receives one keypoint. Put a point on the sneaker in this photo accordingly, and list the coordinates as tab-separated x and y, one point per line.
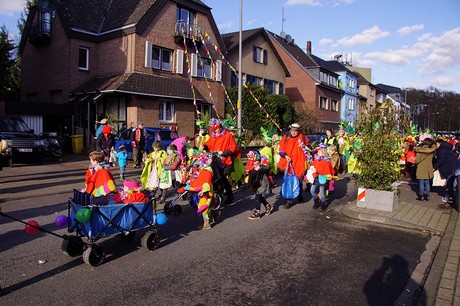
450	200
447	200
255	215
323	205
268	209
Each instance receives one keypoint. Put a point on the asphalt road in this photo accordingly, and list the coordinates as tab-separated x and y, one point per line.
298	256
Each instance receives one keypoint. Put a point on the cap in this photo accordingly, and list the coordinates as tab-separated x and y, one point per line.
104	121
122	147
295	126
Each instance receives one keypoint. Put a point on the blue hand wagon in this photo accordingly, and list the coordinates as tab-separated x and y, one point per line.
105	220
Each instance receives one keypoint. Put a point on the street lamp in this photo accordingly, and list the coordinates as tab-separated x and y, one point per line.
429	121
240	74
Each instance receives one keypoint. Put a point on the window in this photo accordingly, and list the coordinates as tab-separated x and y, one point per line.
83	58
272	86
234	80
333	80
259	55
185	20
166	111
204	68
335	105
323	103
351	103
323	77
56	96
251	79
161	58
205	109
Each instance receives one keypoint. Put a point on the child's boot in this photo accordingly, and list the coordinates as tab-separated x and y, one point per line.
268	209
163	196
206	224
255	215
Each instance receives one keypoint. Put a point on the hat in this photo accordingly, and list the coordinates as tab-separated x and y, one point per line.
104	121
132	184
107	129
295	126
122	147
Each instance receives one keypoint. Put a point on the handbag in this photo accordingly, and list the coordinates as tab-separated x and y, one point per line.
290	188
437	180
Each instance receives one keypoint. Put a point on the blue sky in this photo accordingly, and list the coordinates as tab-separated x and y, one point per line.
407	43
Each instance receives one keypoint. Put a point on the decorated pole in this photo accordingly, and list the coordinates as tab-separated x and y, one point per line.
240	79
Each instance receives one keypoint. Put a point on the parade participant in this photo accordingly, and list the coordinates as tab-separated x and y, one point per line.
202	136
130	193
98	181
424	170
150	177
343	143
322	170
410	155
335	162
167	176
122	158
202	185
223	143
105	142
449	166
330	139
291	152
182	143
102	123
258	169
138	143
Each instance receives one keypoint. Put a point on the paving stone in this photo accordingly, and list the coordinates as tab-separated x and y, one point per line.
447	283
445	294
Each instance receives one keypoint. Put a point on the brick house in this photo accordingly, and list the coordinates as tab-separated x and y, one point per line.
133	60
310	82
261	63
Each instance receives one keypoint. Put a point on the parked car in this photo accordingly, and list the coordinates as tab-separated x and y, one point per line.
316	138
152	134
21	142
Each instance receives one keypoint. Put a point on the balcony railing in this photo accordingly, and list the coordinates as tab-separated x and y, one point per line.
189	30
40	33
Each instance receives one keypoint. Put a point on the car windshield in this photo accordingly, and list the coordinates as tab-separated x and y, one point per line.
13	125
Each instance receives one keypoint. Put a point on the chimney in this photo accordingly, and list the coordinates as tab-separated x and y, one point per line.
308	47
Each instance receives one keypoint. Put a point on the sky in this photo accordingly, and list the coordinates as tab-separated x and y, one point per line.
406	43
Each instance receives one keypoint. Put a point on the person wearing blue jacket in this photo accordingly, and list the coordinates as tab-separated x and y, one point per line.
449	167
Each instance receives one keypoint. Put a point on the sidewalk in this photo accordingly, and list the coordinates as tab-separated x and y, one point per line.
437	274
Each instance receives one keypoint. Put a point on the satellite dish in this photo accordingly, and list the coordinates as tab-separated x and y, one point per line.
283	34
44	6
288	38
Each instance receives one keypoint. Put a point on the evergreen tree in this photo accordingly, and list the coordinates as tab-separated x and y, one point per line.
9	75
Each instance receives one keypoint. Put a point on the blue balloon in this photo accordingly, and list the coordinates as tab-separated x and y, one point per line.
61	220
161	218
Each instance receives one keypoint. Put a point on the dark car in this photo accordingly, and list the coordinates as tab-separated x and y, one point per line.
21	141
166	136
316	138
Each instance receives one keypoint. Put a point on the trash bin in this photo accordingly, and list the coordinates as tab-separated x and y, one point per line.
77	144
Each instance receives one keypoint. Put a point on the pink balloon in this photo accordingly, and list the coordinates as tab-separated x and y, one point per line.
32	227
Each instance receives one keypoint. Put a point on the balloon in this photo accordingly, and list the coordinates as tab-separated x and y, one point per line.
32	227
83	215
161	218
61	220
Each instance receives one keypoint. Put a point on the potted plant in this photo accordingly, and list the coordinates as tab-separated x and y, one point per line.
380	134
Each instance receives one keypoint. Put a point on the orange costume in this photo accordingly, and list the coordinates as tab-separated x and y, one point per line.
225	143
99	181
291	146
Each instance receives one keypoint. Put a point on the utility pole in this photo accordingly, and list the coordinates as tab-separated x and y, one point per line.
240	75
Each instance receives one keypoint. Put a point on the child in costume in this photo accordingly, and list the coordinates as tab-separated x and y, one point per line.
269	152
321	168
343	143
171	162
258	169
99	181
335	162
122	158
202	184
130	193
150	177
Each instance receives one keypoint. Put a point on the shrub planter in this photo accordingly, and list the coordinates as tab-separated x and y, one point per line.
377	199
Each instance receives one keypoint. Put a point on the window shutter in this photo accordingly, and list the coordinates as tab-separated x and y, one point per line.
148	54
265	56
254	53
219	70
180	61
193	64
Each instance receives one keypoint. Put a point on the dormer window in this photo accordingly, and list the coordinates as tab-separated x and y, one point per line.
259	55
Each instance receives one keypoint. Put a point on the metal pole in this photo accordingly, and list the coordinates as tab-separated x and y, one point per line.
240	78
456	203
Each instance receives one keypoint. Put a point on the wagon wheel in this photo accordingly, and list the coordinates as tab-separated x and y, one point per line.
129	236
216	202
94	255
167	208
72	246
177	210
150	240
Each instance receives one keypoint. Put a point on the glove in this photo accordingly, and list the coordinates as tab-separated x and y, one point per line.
133	143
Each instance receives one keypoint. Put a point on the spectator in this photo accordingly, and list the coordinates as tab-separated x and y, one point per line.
449	167
138	143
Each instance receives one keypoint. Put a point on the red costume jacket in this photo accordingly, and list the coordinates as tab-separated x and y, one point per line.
223	143
290	146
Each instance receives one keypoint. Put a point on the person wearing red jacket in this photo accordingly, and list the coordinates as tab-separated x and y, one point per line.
223	144
321	169
131	193
291	151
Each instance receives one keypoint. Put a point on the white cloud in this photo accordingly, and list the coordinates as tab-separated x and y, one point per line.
10	7
404	31
444	51
225	27
340	2
325	41
366	37
251	22
445	81
303	2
